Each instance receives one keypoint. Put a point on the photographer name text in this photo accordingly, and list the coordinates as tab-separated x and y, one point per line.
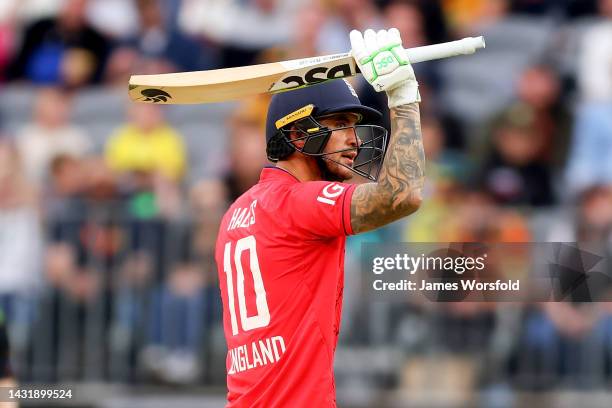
463	284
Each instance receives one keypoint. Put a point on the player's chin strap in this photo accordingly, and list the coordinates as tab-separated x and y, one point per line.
370	145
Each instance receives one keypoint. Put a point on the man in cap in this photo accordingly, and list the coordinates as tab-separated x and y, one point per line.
280	247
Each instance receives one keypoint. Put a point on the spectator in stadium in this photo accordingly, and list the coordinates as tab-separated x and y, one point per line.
513	171
65	209
344	16
132	295
147	144
557	339
63	197
149	156
246	145
423	22
464	15
163	46
21	243
242	28
20	233
589	156
304	42
177	324
50	134
149	160
539	88
208	199
550	332
62	50
115	19
590	222
594	64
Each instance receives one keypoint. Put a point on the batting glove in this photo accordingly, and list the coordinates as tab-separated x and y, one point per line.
384	64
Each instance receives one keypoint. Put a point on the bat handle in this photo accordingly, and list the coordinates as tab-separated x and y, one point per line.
464	46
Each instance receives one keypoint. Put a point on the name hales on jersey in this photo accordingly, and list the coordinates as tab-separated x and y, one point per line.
256	354
330	193
242	217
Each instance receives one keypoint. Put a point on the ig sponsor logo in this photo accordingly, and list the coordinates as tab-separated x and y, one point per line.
330	193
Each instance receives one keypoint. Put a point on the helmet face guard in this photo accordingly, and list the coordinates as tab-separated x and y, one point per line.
370	144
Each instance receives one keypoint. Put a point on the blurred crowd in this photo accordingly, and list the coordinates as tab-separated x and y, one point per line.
518	139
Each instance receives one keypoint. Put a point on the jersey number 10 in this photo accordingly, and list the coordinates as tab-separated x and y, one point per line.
262	318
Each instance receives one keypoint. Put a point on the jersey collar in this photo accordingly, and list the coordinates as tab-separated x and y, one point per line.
276	173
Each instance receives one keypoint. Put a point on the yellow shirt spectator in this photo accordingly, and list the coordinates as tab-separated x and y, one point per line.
158	150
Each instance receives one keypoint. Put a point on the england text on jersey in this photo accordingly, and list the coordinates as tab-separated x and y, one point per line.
256	354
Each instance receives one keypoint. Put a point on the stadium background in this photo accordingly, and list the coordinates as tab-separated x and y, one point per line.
108	210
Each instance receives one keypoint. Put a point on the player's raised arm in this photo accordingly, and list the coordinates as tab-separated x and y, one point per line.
397	193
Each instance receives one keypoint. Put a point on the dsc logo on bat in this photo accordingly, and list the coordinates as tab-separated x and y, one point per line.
314	75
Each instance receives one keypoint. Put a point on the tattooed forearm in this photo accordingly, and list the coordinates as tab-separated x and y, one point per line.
398	190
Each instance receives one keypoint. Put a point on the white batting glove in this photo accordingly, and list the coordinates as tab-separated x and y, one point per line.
384	65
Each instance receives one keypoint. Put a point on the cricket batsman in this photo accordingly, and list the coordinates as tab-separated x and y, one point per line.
280	247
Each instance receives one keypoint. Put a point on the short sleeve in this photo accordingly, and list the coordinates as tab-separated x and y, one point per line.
321	209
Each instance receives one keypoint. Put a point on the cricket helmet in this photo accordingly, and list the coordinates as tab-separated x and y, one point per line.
298	111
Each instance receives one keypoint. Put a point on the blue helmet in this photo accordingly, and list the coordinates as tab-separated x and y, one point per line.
296	111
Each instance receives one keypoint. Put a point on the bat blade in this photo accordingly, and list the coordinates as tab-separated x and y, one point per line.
234	83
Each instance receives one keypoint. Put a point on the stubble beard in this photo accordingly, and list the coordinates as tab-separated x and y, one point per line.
333	172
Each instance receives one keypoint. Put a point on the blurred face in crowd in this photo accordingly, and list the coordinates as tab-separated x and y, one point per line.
186	279
247	149
7	161
150	13
407	18
146	117
475	214
67	175
100	181
14	190
605	8
518	145
493	10
52	108
207	197
267	6
72	14
310	19
539	87
596	207
358	13
433	138
59	264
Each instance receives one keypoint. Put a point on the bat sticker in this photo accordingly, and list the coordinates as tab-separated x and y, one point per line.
155	95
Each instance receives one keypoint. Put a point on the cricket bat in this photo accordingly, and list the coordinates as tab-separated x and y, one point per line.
234	83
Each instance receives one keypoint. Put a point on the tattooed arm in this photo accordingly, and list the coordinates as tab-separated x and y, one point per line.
384	64
398	190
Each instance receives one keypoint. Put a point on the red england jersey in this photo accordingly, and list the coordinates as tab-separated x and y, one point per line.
280	254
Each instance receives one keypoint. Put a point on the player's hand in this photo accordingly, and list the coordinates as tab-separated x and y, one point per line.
383	62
